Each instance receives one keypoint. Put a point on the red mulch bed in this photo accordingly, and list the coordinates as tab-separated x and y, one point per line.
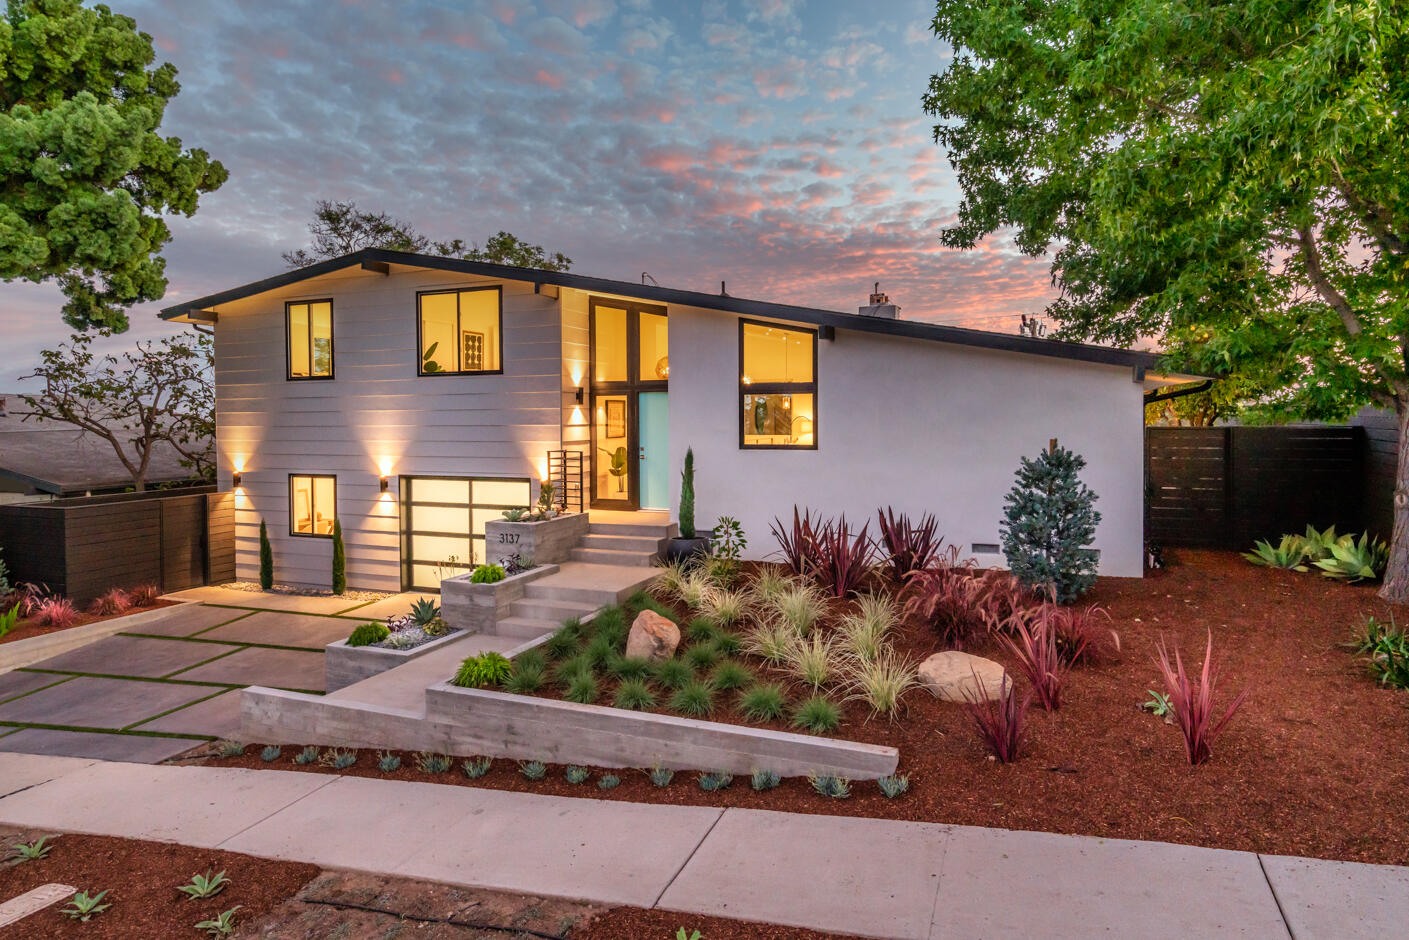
141	880
1314	763
24	629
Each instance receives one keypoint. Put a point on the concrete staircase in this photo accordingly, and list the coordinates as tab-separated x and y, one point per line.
613	560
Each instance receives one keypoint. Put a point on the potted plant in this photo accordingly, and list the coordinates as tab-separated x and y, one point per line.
690	543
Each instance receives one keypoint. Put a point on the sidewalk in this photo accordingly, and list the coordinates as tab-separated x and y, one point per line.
863	876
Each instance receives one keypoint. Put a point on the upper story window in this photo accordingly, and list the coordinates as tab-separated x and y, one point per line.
313	504
309	325
461	331
777	386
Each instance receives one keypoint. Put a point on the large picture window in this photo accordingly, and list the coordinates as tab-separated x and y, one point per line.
313	505
777	386
460	331
309	326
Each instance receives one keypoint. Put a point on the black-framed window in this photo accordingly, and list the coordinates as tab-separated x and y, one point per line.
308	347
460	332
443	523
313	504
777	386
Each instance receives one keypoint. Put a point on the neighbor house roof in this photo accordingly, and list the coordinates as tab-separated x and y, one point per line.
66	461
379	259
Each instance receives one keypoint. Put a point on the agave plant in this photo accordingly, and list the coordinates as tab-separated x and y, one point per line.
1288	553
424	611
1353	560
1318	544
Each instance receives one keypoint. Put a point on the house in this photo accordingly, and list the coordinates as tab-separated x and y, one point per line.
415	397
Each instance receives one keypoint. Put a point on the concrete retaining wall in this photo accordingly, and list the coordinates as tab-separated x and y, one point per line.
549	542
479	607
343	665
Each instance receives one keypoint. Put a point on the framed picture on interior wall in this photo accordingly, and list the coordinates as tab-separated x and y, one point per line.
616	418
471	351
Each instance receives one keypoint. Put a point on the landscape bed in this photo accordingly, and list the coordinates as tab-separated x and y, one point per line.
1305	767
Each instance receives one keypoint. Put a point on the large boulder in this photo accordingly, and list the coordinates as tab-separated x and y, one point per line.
652	637
951	676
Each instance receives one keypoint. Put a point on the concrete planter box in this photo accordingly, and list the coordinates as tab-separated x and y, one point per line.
343	665
479	607
497	724
549	542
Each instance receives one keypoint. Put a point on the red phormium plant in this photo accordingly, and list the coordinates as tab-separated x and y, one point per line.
145	595
843	559
1033	642
27	597
1192	702
1084	634
115	601
799	543
1000	723
908	547
56	612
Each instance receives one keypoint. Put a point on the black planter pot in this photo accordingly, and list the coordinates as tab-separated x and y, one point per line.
677	549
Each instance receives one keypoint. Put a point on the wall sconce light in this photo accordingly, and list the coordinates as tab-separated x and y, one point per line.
386	483
580	395
235	479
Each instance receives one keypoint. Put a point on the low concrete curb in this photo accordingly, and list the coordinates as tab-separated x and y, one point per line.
29	651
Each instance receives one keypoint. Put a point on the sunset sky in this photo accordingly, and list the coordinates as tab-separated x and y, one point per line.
776	144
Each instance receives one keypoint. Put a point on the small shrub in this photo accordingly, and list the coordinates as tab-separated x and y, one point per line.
730	675
270	753
109	603
308	755
881	681
56	612
424	611
487	574
569	669
611	623
144	595
767	585
1289	554
798	543
476	767
634	694
661	776
629	667
564	642
429	762
799	608
693	590
701	656
1386	647
727	643
533	769
642	600
1191	700
725	607
764	702
686	510
337	758
1002	723
32	851
8	619
949	600
582	689
1049	520
765	780
701	630
221	925
694	698
673	673
576	775
843	559
770	642
600	650
1355	561
817	715
339	572
607	781
812	660
229	748
908	546
387	762
861	639
718	780
1034	646
1158	705
482	671
204	886
83	907
893	785
368	633
672	575
830	786
526	678
266	558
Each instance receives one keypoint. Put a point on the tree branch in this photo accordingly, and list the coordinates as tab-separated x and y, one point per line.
1376	217
1311	257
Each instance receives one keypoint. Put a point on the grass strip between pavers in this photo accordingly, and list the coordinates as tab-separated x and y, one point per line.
172	711
20	726
203	662
341	614
16	698
101	675
197	638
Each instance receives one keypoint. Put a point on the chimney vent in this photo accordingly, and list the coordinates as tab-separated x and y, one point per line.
880	306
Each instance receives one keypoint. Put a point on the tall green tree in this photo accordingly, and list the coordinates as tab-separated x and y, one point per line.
85	179
1230	174
340	228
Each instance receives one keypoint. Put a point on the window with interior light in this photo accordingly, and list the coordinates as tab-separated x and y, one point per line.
313	505
777	386
308	326
460	331
443	523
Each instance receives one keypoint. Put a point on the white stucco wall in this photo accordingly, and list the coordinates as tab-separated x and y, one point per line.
376	409
915	425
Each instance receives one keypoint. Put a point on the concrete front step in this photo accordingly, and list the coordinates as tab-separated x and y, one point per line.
603	556
642	529
592	584
622	543
538	608
527	628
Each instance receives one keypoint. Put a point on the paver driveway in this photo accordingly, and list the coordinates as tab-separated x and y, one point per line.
171	683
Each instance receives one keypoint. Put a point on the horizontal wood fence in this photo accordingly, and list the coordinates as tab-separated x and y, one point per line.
83	547
1227	487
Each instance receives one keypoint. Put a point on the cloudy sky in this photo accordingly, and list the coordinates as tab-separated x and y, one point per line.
776	144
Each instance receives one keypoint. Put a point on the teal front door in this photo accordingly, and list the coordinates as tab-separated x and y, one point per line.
654	437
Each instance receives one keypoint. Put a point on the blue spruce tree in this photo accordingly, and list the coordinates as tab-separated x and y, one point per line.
1049	522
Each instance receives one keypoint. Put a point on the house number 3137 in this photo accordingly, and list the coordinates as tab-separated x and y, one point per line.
508	538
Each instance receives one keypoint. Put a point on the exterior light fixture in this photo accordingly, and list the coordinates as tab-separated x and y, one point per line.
235	479
386	484
580	395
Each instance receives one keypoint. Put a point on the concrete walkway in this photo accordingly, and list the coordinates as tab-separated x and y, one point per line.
869	877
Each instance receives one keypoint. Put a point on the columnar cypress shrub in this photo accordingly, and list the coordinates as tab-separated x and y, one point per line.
1049	522
687	496
339	559
266	558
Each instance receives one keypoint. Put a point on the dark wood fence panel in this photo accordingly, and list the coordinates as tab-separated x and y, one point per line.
1227	487
1381	463
83	547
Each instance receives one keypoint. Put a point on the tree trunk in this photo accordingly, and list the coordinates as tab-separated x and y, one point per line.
1396	583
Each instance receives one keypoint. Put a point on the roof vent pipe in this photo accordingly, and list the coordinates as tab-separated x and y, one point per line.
880	306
